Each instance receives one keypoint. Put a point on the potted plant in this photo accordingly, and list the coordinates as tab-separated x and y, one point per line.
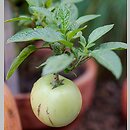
55	100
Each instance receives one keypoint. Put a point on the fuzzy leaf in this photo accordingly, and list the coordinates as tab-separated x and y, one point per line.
99	32
110	60
62	14
113	46
36	2
47	34
42	11
20	58
25	18
73	13
85	19
56	64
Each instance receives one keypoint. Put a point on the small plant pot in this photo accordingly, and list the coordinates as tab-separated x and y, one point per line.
124	99
85	82
11	115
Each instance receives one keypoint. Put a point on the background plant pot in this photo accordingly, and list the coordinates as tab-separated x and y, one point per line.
86	83
28	74
124	99
11	115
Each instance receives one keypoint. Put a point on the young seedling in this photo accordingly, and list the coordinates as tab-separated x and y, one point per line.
56	100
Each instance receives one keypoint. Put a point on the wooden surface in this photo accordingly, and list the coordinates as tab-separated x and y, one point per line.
11	115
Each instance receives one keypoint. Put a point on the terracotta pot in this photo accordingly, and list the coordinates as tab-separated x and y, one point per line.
11	115
124	99
85	82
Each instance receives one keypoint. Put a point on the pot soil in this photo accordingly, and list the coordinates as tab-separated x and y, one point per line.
105	112
11	115
86	83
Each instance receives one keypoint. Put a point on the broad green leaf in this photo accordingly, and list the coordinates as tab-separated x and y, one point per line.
85	19
99	32
47	34
110	60
67	43
25	18
20	58
56	64
36	2
113	46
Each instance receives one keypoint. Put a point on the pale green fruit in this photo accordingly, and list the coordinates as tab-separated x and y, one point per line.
55	107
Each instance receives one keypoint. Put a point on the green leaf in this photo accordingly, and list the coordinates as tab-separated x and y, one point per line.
56	64
20	58
83	41
99	32
73	13
36	2
91	45
47	34
48	3
85	19
25	18
110	60
62	14
67	43
42	11
71	34
71	1
113	46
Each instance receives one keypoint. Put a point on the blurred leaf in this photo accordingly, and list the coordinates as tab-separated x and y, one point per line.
20	58
71	1
110	60
67	43
56	64
73	13
36	2
42	10
47	34
85	19
113	46
83	41
71	34
99	32
25	18
48	3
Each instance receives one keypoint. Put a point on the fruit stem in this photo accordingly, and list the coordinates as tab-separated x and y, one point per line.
56	77
57	82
